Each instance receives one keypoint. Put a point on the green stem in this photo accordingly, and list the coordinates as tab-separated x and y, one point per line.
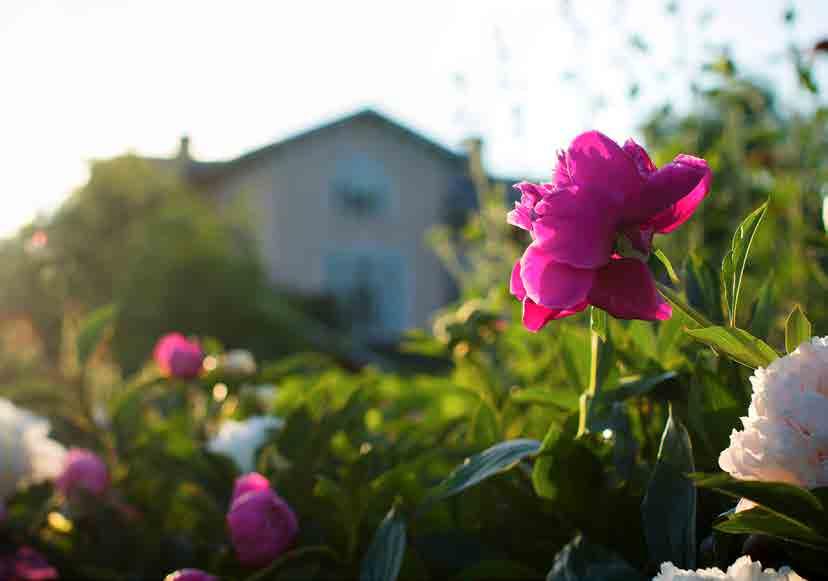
593	387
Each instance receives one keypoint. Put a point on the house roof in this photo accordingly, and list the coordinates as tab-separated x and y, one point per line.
201	171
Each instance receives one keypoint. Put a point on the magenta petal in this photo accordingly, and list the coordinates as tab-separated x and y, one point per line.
639	155
626	290
536	316
596	163
551	283
670	195
697	177
515	284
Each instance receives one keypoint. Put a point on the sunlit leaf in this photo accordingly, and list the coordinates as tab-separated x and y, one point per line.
737	344
494	460
733	265
797	329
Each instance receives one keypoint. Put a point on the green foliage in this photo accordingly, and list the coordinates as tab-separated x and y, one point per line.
734	262
797	329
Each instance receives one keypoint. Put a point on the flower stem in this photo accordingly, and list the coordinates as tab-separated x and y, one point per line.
593	387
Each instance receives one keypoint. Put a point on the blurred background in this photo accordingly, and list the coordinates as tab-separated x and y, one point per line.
325	176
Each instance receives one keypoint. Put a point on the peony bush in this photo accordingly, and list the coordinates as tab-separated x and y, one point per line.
626	418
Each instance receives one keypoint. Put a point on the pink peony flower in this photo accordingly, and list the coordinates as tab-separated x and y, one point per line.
26	565
592	230
83	469
262	526
190	575
248	483
177	356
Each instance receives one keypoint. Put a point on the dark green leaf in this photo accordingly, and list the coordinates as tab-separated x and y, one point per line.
762	317
582	561
703	287
788	501
797	329
494	460
669	507
92	331
496	570
384	557
637	387
737	344
562	398
733	265
764	522
668	266
694	318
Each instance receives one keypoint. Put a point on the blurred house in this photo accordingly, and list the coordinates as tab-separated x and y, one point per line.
343	209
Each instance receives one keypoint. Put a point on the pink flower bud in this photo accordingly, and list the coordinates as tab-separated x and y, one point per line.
248	483
83	469
177	356
190	575
26	565
262	526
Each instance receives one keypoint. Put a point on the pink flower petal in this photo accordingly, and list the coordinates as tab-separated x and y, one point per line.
536	316
553	284
515	284
626	290
595	162
639	155
670	195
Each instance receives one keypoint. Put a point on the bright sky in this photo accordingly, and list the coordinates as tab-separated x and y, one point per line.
86	79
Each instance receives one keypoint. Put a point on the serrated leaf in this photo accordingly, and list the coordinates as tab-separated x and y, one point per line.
733	265
487	463
797	329
737	344
92	330
668	510
383	560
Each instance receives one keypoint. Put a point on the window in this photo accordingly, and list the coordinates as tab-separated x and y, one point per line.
360	188
369	290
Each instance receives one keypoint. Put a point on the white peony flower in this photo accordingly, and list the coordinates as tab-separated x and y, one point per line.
785	435
742	570
241	440
27	454
238	362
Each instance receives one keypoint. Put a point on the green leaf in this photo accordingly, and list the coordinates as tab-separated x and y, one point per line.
669	508
668	266
637	387
560	398
797	329
92	331
583	561
383	560
598	322
793	503
762	316
494	460
764	522
733	265
694	318
703	287
496	570
737	344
